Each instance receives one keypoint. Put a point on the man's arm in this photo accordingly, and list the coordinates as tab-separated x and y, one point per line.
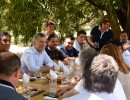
48	63
30	62
46	69
90	40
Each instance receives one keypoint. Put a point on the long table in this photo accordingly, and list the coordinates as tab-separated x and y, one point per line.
41	84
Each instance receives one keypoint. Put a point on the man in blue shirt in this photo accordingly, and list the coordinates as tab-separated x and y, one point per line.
68	48
35	58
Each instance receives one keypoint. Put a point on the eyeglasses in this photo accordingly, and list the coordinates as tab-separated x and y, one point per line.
5	41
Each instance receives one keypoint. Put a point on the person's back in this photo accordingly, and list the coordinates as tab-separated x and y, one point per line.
9	75
124	71
124	79
99	79
9	93
92	96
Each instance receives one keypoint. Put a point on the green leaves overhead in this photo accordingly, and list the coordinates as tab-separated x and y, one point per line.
26	17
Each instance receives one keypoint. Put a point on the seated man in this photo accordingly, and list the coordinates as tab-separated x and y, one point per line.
5	39
68	48
52	50
35	58
125	47
124	42
84	55
80	41
99	78
9	76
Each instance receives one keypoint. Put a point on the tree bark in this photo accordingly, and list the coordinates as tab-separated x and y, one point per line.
128	18
114	25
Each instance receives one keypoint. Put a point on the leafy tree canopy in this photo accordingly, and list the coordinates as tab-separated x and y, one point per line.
26	17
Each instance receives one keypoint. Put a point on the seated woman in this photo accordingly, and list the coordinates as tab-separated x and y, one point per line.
99	79
124	70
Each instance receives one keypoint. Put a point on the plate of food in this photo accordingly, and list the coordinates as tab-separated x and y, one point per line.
32	91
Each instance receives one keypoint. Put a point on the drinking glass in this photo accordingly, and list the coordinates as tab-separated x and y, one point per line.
26	93
53	86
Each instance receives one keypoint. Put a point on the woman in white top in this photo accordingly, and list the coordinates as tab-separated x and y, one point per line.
124	70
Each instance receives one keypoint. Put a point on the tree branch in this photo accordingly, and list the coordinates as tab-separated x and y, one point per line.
102	7
88	20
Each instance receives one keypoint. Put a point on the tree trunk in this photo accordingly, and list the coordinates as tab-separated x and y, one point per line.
128	19
114	25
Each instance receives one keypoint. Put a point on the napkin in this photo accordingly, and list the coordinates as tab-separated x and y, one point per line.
56	67
60	63
66	70
49	98
53	75
26	78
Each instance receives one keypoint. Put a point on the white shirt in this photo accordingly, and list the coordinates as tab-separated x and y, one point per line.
126	56
125	81
92	96
76	45
118	90
32	60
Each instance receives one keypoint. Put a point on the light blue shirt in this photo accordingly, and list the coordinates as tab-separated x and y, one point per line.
126	56
32	60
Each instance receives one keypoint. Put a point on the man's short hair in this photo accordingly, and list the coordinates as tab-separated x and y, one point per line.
35	37
105	19
102	74
4	33
52	36
87	55
81	32
70	37
124	32
9	63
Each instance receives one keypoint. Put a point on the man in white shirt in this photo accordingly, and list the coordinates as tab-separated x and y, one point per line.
124	42
35	58
99	78
80	42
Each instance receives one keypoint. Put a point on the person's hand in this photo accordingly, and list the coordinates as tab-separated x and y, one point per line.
56	61
61	91
74	80
126	46
85	43
96	45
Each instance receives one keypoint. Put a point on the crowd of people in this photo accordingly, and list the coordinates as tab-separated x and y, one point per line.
105	65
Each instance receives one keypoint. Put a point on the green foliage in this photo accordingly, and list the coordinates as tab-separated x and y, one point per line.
26	17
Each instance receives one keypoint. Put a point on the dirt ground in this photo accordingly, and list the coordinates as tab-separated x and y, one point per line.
17	49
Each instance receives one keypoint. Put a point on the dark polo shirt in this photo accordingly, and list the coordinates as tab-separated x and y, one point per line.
104	39
8	92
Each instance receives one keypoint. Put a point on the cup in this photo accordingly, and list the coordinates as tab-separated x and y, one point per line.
64	79
26	92
71	65
78	70
96	44
53	86
38	74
